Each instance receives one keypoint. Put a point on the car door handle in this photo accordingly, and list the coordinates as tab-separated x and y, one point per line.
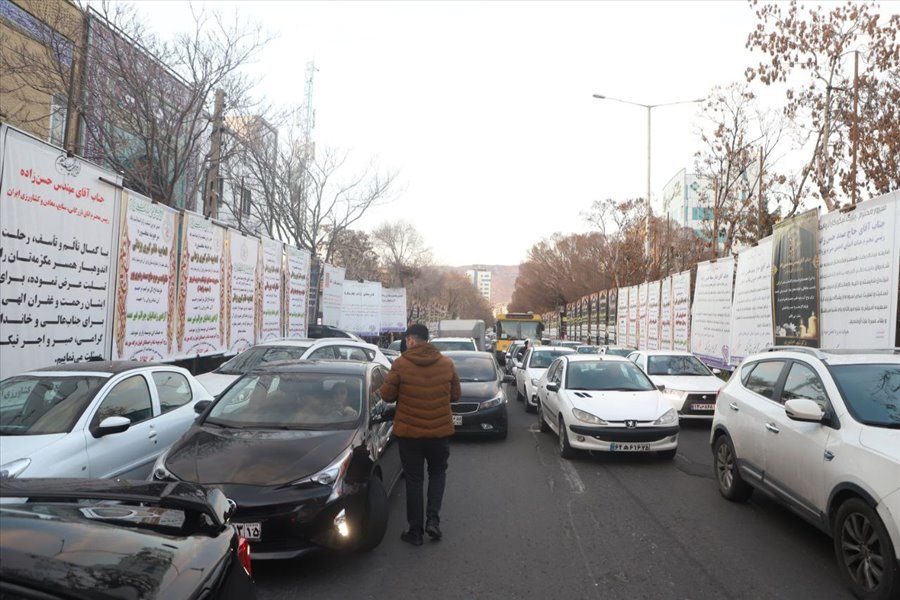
733	406
152	434
771	427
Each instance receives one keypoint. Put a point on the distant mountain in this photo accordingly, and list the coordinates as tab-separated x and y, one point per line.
503	280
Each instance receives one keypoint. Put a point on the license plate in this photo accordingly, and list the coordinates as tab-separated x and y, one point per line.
251	531
617	447
703	407
457	419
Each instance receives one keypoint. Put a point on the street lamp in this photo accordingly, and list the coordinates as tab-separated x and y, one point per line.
649	107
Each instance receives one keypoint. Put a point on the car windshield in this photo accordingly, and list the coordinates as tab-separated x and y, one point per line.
475	368
446	346
619	351
541	359
518	330
247	360
290	401
871	392
607	376
675	364
588	350
43	404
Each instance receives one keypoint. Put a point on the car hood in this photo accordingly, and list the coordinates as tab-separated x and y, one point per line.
478	390
14	447
689	383
882	440
619	406
68	555
215	382
211	456
535	373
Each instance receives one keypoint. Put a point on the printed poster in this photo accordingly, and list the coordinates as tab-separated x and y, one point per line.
298	265
643	324
202	302
795	281
665	315
332	294
681	311
393	310
57	230
146	281
653	315
751	312
361	308
633	302
711	312
241	277
602	316
859	261
622	320
273	267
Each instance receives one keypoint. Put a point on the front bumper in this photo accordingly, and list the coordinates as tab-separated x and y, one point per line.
696	405
483	421
623	439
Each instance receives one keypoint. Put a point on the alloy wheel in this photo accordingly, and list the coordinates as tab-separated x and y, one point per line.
725	466
861	551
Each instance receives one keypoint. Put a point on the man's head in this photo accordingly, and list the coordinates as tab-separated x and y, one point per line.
416	334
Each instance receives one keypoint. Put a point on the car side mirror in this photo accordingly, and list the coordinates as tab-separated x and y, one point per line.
509	379
804	409
201	406
111	425
383	412
552	387
661	387
717	371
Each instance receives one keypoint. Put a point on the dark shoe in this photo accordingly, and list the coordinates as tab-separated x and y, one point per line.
412	537
433	531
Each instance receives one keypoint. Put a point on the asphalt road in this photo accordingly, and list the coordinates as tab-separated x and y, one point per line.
520	522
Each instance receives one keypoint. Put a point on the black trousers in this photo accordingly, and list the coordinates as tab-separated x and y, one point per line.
414	454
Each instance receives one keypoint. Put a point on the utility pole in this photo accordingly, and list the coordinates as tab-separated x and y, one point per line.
762	217
855	123
211	202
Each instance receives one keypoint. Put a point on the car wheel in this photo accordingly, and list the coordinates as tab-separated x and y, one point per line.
375	521
565	450
542	422
667	454
731	485
529	408
864	552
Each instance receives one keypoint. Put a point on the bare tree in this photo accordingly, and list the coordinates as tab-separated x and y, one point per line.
354	251
619	222
402	251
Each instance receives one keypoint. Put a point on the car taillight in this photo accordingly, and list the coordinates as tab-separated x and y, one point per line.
243	551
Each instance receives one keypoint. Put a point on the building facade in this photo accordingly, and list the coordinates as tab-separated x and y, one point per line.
481	279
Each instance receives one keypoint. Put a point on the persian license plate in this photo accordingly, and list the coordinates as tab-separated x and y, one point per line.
619	447
703	407
251	531
457	419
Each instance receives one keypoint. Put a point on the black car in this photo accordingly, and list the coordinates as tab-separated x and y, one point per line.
326	331
482	407
302	449
103	538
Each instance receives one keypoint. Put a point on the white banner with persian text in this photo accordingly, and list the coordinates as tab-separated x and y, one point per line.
622	318
57	229
681	311
361	309
859	261
711	312
146	281
643	325
665	315
751	313
297	291
272	284
653	315
202	293
241	275
633	332
393	310
332	294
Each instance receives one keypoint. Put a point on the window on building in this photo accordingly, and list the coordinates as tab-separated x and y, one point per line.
58	107
246	201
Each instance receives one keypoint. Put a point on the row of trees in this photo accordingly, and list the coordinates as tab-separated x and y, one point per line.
835	141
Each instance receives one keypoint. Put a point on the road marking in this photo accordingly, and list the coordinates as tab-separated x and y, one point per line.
572	476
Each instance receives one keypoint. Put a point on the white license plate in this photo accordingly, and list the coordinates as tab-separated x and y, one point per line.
251	531
457	419
703	406
617	447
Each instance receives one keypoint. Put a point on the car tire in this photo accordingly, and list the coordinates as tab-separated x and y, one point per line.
542	422
375	521
725	468
529	408
860	537
667	454
565	450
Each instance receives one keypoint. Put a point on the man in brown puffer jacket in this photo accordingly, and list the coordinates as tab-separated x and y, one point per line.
423	383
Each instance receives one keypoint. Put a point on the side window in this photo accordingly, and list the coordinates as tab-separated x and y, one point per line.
276	354
129	398
173	389
375	385
351	353
326	352
764	377
803	382
746	369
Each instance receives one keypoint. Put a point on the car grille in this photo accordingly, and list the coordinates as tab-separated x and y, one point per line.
707	398
464	408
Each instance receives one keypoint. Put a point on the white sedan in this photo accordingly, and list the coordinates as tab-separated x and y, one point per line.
534	364
687	383
96	419
605	403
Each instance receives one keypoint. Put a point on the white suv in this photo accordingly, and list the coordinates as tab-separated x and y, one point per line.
820	431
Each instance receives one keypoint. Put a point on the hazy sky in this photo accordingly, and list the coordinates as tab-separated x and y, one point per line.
485	109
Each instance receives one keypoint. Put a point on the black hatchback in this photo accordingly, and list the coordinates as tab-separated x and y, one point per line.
481	408
103	538
302	450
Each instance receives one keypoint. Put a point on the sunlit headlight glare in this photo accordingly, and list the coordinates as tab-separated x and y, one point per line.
14	468
587	417
495	401
670	417
159	471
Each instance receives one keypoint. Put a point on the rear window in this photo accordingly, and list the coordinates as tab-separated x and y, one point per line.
475	368
449	346
541	359
871	392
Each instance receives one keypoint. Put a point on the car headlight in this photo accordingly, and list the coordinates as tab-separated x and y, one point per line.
535	381
159	471
673	394
495	401
14	468
670	417
332	475
588	417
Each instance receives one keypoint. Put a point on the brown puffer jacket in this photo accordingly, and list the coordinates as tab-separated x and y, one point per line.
423	383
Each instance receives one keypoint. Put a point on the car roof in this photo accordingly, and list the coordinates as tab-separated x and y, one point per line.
566	349
336	367
665	352
467	354
451	339
99	367
595	358
835	357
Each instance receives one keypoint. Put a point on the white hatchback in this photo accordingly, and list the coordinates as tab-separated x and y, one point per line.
605	403
687	383
820	431
534	364
96	419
